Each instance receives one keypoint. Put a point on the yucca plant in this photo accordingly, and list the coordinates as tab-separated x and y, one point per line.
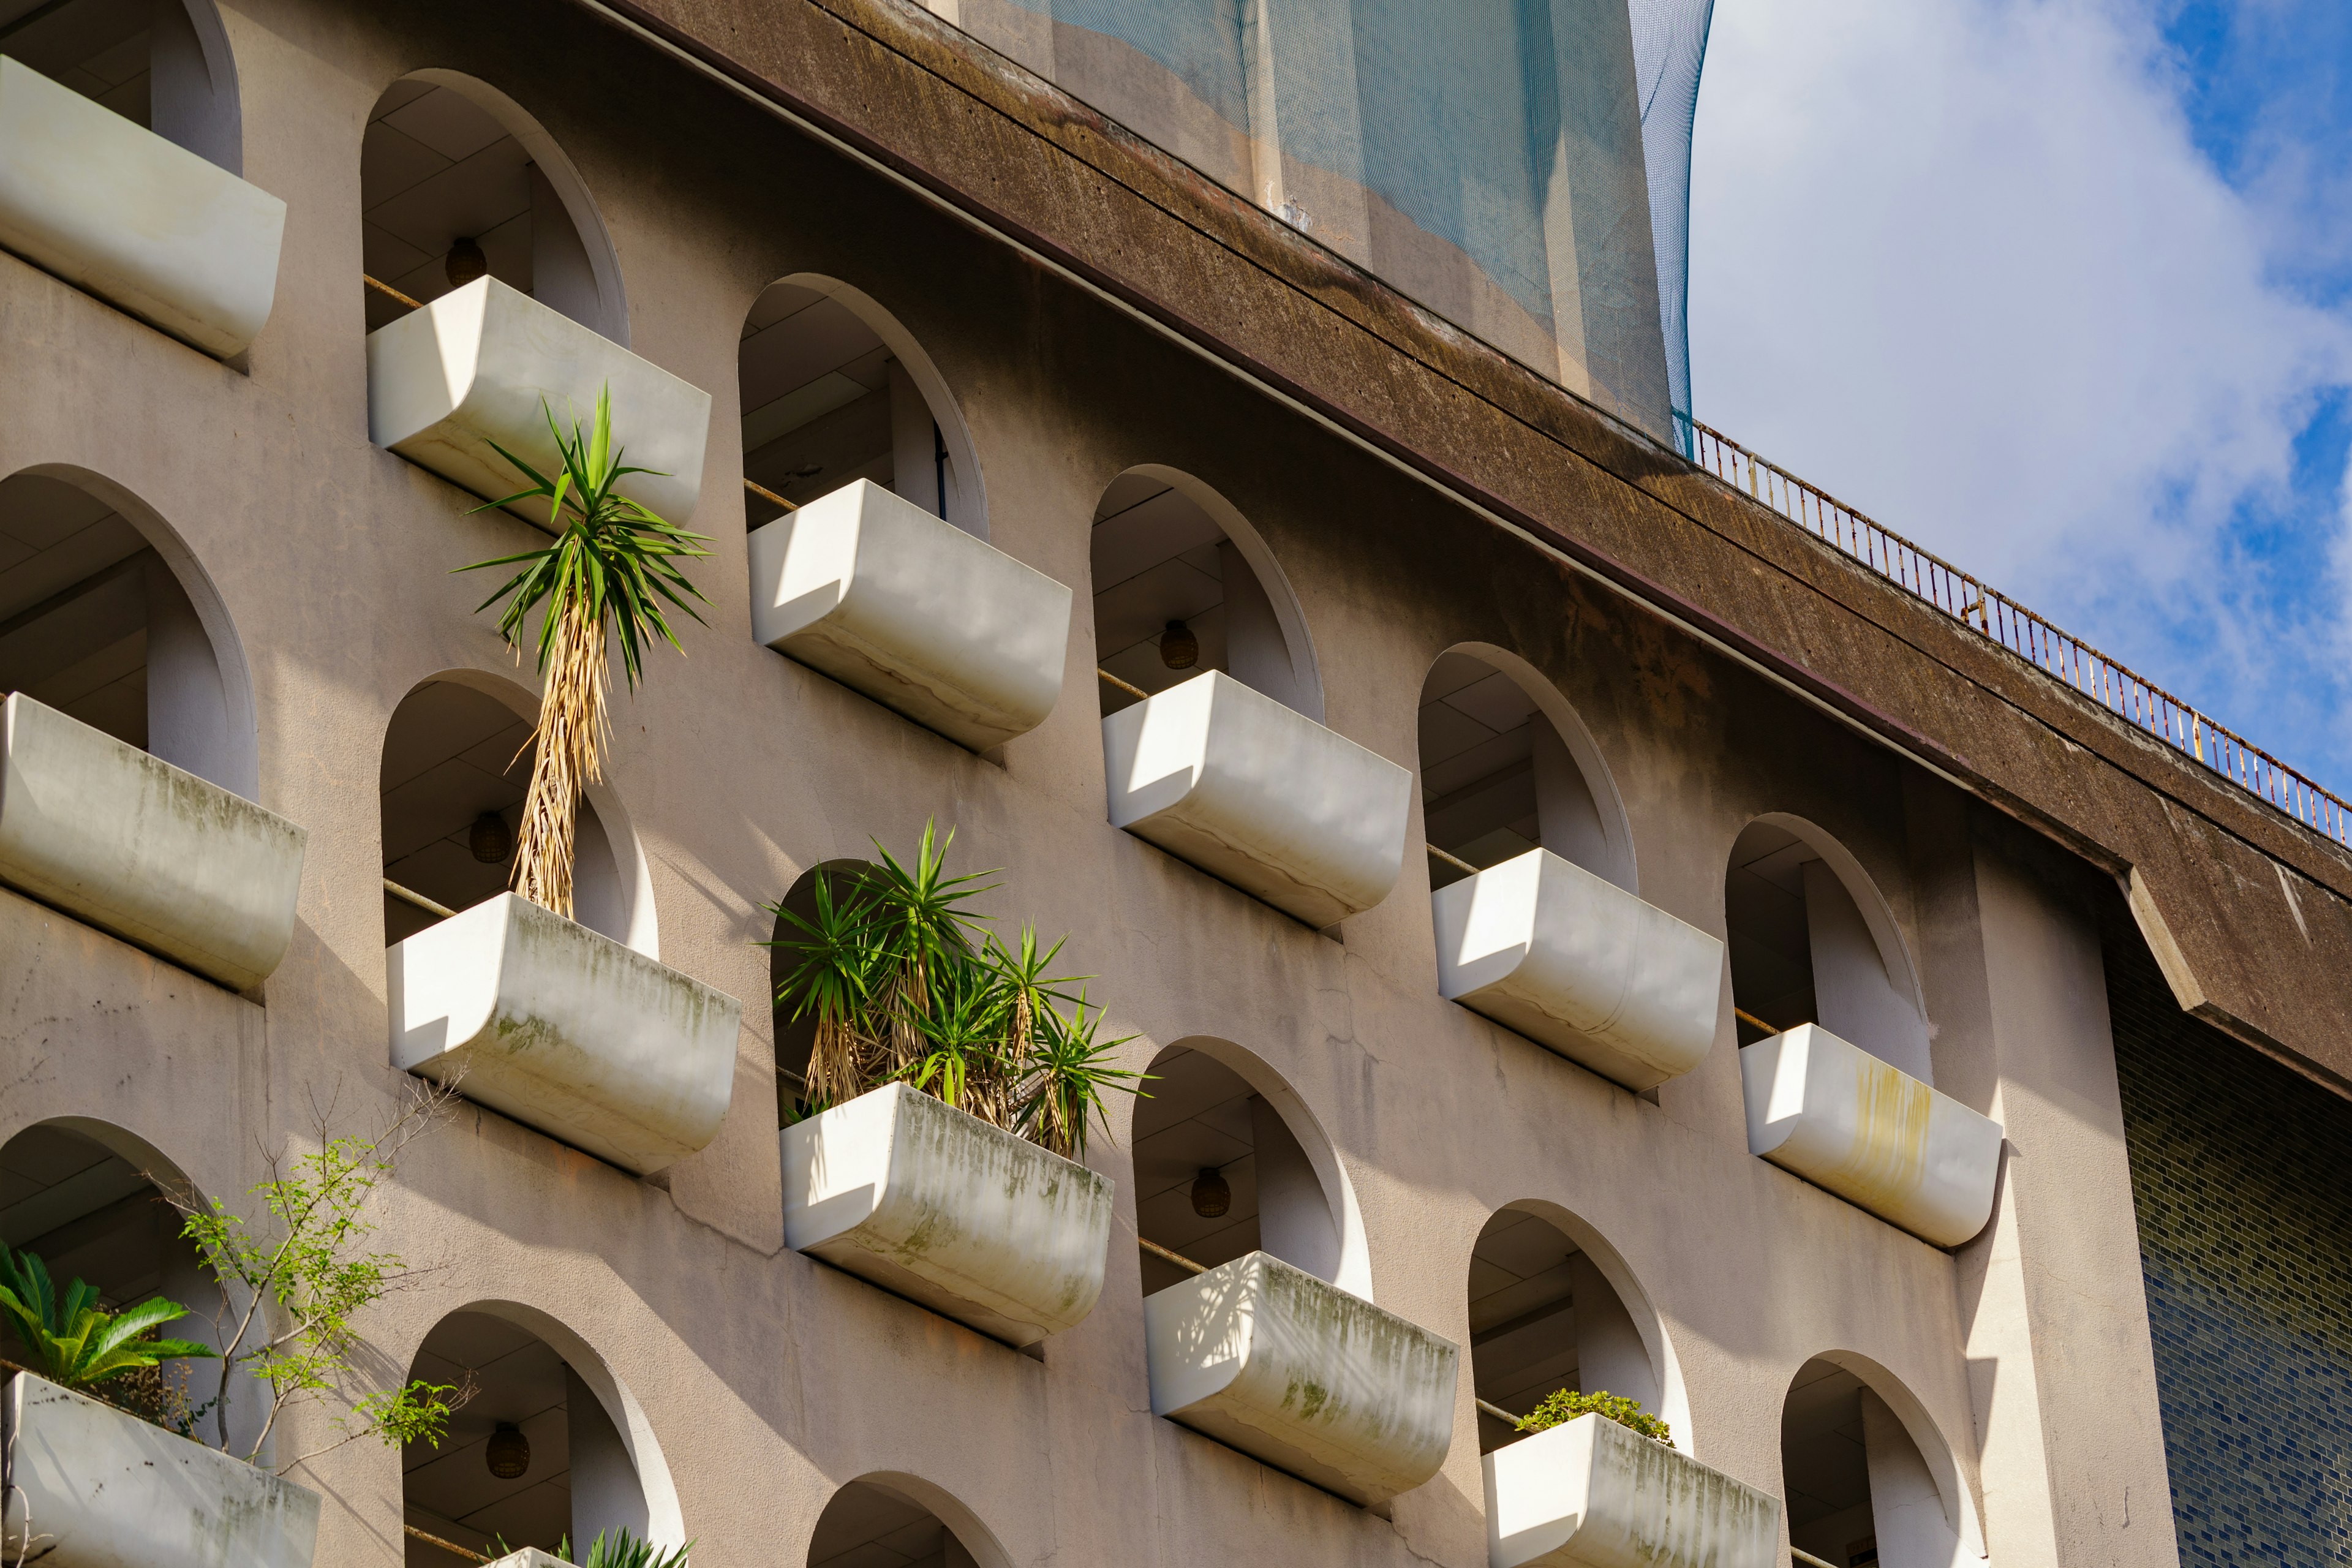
611	569
616	1548
905	982
76	1344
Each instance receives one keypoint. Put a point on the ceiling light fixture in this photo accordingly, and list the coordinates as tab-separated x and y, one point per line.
1211	1196
465	262
508	1453
1179	649
490	839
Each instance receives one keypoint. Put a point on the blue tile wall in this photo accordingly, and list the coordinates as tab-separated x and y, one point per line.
2241	1175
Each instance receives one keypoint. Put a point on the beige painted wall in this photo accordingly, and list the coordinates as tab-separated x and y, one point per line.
770	1379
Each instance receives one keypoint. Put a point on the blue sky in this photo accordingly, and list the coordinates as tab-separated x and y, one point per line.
2064	292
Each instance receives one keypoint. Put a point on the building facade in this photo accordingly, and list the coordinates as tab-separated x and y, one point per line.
1597	936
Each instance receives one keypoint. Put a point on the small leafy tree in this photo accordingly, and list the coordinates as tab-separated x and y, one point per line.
74	1343
904	983
292	1285
612	567
1566	1405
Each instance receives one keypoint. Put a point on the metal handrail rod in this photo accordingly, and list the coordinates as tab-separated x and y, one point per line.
1809	1559
1497	1412
1178	1258
388	292
764	493
1455	861
466	1552
2008	625
407	896
1128	687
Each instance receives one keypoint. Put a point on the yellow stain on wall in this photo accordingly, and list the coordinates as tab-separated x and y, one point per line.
1890	1146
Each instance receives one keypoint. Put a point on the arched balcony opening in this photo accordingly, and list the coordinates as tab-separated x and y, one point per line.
834	391
1227	1163
457	764
1812	942
898	1522
458	183
1506	767
1544	1317
1868	1479
163	64
549	1445
796	1038
1183	584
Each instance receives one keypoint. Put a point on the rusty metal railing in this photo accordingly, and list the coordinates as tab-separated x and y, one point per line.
2063	657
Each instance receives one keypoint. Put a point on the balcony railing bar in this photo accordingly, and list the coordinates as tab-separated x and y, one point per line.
418	900
2003	620
765	494
1178	1258
1455	861
1107	678
389	292
470	1555
1497	1411
1809	1559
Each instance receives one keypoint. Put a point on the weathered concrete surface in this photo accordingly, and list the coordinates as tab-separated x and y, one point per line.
90	1486
1543	946
935	1205
1268	1359
1258	795
566	1030
1870	1132
486	363
110	206
912	611
142	849
1029	163
1588	1493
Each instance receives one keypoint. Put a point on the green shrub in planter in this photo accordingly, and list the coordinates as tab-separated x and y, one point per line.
1567	1404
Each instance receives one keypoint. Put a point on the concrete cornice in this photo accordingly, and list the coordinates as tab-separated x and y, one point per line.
2247	910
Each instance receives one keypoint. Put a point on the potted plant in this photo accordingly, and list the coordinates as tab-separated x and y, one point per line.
106	1458
616	1549
1600	1482
565	1029
935	1149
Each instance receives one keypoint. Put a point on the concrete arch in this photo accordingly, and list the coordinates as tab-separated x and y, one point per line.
200	705
1612	859
1962	1509
1329	1242
663	1521
976	1539
964	502
604	305
1667	1396
624	909
1288	673
186	92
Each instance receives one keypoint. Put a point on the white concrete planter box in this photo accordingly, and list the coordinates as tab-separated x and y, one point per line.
1577	964
1871	1133
934	1205
1260	796
1295	1371
913	612
98	1488
145	225
138	847
1591	1494
566	1030
474	367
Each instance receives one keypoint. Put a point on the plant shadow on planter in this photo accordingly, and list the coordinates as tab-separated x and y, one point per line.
539	1453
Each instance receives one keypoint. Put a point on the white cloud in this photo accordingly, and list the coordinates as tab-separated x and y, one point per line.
1960	263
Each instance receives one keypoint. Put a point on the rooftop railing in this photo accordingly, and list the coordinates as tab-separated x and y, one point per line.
2063	657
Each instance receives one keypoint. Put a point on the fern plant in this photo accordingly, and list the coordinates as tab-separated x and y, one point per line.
75	1343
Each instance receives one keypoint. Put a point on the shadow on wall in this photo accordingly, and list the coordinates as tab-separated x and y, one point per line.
1812	942
105	616
163	64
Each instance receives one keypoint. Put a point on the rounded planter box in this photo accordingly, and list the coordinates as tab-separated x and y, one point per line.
90	1486
914	612
566	1030
934	1205
1588	1493
142	849
1292	1370
1870	1132
1579	966
1260	796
